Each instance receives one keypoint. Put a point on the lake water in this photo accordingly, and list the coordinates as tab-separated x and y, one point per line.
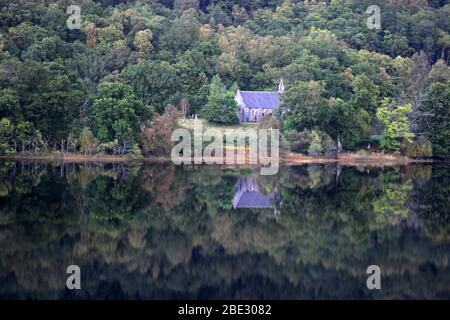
147	231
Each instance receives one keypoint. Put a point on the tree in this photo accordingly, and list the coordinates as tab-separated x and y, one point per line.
143	42
182	33
156	139
41	94
10	104
169	50
221	106
23	133
6	132
365	94
315	148
186	4
118	114
154	82
347	123
395	120
437	125
87	139
304	106
62	99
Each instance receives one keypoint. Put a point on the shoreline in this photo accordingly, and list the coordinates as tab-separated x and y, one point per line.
292	159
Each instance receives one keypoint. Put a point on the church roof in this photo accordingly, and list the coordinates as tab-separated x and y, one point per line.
261	99
252	199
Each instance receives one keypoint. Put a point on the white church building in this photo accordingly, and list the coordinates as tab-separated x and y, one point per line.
254	105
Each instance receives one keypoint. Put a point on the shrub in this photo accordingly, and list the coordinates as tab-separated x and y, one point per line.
296	141
6	131
136	151
397	128
420	148
314	143
315	147
328	145
87	139
155	140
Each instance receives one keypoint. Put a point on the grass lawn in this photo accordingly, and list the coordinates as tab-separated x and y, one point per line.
189	124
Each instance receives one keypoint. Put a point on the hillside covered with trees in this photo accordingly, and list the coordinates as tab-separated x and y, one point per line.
118	83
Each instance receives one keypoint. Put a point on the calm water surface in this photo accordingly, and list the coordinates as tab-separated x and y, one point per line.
163	232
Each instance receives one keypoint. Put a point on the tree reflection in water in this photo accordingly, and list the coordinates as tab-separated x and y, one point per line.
159	231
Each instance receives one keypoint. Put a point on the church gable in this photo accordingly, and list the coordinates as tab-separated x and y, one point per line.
248	195
253	105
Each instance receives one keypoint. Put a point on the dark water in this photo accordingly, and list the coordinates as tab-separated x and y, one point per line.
159	231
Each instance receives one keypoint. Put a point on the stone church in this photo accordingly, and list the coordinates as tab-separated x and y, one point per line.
248	195
254	105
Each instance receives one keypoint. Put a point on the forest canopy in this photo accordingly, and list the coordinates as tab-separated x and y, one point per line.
101	86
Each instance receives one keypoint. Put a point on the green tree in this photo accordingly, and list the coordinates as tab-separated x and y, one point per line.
186	4
86	139
153	82
9	104
41	94
347	123
221	106
365	94
6	132
24	131
315	148
437	125
304	106
397	127
118	114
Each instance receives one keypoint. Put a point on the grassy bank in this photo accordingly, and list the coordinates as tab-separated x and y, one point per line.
348	159
68	158
189	124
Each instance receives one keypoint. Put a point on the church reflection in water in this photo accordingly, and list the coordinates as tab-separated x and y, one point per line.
249	195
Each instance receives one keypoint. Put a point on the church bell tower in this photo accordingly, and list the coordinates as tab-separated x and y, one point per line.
281	88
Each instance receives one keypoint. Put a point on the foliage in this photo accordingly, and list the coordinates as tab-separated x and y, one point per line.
143	42
336	71
437	125
140	226
87	139
118	114
396	123
153	82
315	146
156	139
303	106
313	143
6	135
221	106
419	148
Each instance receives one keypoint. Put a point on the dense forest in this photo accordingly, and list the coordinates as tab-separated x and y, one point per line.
119	82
